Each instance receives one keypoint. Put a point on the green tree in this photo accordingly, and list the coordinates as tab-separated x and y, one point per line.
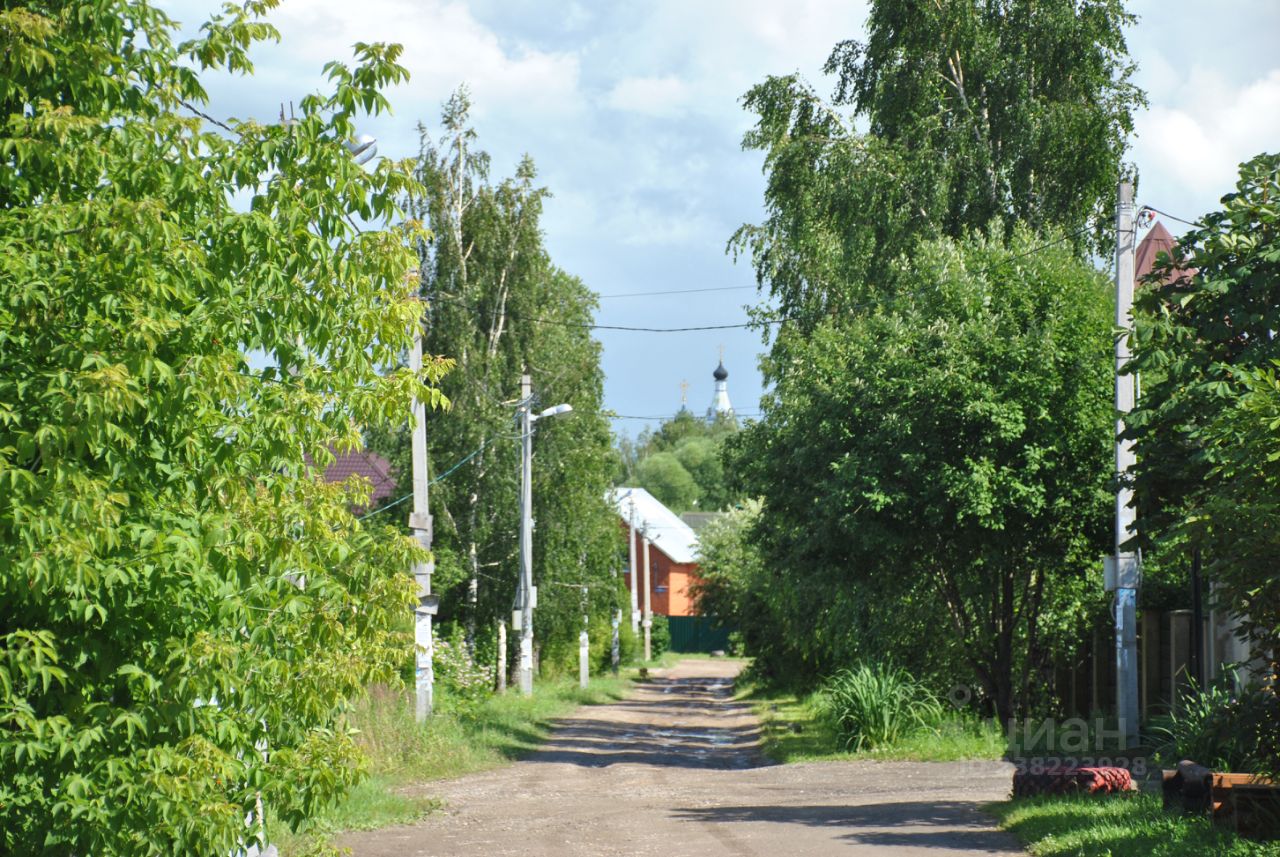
683	446
976	110
179	592
501	307
955	452
1205	346
662	475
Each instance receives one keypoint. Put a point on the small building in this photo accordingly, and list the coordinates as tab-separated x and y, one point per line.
673	568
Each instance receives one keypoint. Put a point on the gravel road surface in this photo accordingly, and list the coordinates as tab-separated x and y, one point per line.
674	770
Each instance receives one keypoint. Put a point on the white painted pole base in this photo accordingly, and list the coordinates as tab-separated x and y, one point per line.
584	660
1127	664
424	672
526	666
502	657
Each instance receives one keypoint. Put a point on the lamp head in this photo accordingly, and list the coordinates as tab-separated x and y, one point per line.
557	410
363	149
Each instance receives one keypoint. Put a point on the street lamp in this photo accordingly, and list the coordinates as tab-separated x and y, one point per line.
527	420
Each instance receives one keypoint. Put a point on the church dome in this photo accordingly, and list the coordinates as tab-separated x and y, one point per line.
721	373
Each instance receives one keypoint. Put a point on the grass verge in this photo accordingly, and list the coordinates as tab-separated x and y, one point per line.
794	731
461	738
1080	826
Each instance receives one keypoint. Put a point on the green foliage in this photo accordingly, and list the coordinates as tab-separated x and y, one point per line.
1137	826
969	120
1205	425
955	448
659	636
501	307
1222	727
934	454
178	590
663	476
732	584
800	729
873	705
680	463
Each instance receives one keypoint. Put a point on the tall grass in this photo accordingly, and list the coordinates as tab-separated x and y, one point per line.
873	705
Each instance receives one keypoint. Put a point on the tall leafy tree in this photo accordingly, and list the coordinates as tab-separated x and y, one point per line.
1205	345
955	452
500	307
185	608
977	110
951	121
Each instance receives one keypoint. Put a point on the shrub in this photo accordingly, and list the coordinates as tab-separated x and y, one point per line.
659	636
1223	728
873	705
466	683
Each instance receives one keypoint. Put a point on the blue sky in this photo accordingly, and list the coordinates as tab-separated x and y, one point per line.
632	113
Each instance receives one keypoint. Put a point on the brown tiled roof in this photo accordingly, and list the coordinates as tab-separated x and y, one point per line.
370	466
1157	241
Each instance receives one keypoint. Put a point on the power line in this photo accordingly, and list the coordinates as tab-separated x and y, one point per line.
678	292
668	416
1194	223
761	321
441	477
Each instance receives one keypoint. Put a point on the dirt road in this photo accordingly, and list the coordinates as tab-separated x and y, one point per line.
674	770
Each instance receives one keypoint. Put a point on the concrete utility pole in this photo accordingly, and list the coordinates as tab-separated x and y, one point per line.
526	535
1124	571
635	576
420	524
648	612
502	657
528	595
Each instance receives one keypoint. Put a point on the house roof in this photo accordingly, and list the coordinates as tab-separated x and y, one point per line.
664	528
370	466
1157	241
698	520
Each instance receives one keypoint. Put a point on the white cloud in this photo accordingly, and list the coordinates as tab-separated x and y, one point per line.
651	96
445	45
1199	140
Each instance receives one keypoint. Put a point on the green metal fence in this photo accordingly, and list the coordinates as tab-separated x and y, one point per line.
697	634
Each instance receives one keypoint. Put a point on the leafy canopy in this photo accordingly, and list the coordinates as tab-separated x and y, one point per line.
955	456
185	608
1205	344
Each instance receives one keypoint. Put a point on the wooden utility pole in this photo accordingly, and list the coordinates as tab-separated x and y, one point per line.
420	524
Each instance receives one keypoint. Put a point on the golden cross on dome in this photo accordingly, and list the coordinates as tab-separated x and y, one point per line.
722	353
684	392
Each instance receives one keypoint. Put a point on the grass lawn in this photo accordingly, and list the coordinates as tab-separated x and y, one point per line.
793	732
1128	827
459	739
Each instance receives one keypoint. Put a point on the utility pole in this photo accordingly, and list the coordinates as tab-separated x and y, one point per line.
528	594
1125	572
502	657
635	576
526	535
648	613
420	524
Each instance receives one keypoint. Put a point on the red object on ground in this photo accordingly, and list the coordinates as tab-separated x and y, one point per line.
1056	781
